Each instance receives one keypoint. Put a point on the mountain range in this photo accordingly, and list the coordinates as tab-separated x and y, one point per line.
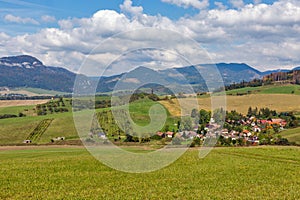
27	71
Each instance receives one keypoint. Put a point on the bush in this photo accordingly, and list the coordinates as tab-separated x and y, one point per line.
176	141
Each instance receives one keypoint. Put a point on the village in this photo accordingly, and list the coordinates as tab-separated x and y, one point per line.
261	127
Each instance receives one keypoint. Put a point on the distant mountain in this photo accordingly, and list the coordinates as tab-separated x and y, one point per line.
275	71
27	71
295	69
181	79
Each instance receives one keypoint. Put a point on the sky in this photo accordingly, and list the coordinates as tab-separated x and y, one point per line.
262	33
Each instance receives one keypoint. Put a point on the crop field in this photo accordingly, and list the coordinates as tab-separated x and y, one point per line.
15	130
226	173
278	102
9	103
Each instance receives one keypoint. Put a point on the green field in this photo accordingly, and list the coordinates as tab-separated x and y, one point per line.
226	173
16	130
268	89
293	135
15	109
39	91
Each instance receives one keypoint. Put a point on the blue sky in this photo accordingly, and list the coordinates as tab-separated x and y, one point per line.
261	33
62	9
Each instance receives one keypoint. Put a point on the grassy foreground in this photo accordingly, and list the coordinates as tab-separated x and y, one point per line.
226	173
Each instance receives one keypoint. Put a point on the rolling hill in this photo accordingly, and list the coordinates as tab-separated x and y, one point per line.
29	72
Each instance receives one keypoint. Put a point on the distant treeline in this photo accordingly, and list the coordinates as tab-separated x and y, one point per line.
19	97
243	84
5	116
292	77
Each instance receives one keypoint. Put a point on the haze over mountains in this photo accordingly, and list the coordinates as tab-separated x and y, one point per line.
27	71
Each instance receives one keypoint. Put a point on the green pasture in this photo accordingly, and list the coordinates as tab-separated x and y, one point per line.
293	135
268	89
226	173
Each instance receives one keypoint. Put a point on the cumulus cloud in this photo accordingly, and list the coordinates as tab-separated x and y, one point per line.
237	3
20	20
128	8
48	18
256	1
264	36
220	5
199	4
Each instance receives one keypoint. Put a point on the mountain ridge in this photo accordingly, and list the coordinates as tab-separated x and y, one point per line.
28	71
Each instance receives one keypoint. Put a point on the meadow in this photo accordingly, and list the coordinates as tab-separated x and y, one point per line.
267	89
226	173
293	135
15	130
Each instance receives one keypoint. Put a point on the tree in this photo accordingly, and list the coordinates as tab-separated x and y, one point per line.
176	141
194	113
204	117
219	115
249	113
167	128
186	124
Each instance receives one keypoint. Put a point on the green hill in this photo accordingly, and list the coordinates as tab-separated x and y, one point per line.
16	130
267	89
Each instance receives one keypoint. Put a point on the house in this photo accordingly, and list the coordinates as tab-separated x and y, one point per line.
161	134
192	134
169	134
224	131
246	133
256	129
102	136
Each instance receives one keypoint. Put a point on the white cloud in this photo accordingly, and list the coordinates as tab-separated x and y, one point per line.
128	8
264	36
48	18
4	36
237	3
257	1
199	4
20	20
220	5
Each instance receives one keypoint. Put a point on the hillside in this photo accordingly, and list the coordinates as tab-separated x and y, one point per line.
267	89
28	72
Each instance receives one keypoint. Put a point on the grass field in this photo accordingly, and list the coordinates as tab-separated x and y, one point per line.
293	135
15	109
38	91
278	102
16	130
226	173
268	89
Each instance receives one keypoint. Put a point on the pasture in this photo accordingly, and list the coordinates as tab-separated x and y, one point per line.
267	89
293	135
226	173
